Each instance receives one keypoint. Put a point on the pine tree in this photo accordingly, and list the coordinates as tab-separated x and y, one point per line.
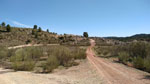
85	34
35	27
39	30
8	28
3	24
48	30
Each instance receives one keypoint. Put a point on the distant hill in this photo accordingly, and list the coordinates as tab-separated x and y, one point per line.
139	37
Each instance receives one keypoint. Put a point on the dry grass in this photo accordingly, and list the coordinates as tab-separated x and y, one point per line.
136	53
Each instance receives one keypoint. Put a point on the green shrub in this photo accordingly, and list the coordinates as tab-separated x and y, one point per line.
123	57
138	63
51	63
3	53
63	55
35	52
137	49
147	65
79	54
107	51
25	58
10	52
23	65
20	55
29	58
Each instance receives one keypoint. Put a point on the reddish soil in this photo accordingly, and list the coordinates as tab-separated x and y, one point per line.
115	73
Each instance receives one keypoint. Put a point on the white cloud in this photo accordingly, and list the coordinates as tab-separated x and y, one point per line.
20	24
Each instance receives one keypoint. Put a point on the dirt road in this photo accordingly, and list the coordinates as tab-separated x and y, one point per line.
28	45
115	73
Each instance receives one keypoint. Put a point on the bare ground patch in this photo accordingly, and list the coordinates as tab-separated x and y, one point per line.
81	74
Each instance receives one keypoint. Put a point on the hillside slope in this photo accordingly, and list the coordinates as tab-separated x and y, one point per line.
21	36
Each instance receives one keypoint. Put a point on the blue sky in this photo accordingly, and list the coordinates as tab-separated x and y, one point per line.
97	17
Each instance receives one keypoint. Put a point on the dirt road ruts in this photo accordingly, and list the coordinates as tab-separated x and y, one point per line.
115	73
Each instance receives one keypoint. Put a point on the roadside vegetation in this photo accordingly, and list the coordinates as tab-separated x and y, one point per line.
42	59
134	54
